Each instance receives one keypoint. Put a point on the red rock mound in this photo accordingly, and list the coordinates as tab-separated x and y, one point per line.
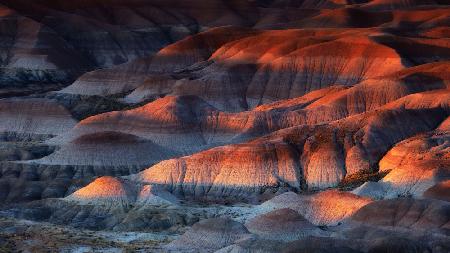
105	190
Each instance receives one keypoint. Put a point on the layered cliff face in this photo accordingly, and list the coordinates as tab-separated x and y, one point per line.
291	156
414	165
248	68
39	37
320	155
33	56
236	69
226	126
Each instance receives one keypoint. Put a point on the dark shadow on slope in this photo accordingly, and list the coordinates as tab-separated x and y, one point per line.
414	53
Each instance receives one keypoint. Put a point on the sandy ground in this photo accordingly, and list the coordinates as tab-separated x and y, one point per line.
35	237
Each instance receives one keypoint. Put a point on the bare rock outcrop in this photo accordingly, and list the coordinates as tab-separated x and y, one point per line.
113	191
39	36
116	149
140	136
199	126
32	57
23	182
105	190
33	118
330	207
326	208
288	156
282	225
264	126
235	69
414	225
414	165
209	235
405	213
127	77
235	76
156	195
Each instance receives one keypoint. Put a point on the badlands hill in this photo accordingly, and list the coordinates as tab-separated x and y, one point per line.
227	126
37	36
